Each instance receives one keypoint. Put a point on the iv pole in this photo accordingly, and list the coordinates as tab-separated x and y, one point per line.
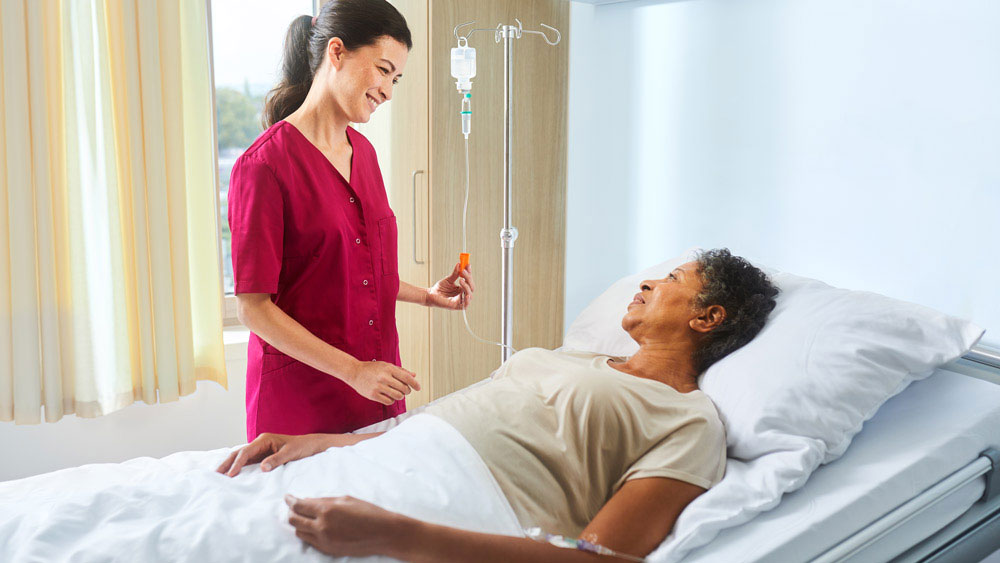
508	234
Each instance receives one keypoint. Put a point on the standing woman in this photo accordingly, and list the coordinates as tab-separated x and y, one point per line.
314	239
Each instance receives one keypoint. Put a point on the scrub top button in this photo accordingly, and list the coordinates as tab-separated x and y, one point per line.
352	200
373	359
357	241
370	323
364	282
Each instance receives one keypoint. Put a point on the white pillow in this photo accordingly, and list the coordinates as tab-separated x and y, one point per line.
795	396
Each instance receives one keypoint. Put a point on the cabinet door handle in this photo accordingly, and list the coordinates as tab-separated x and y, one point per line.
415	172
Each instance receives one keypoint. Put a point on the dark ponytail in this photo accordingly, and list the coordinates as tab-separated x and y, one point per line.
356	22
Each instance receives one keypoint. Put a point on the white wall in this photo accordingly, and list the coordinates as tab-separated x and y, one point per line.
856	141
209	418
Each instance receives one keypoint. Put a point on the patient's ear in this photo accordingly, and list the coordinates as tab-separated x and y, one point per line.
708	319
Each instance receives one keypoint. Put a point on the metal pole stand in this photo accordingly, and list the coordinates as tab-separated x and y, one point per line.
508	234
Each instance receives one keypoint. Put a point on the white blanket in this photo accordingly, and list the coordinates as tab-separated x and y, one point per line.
179	509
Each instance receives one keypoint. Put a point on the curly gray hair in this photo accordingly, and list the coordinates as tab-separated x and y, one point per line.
745	292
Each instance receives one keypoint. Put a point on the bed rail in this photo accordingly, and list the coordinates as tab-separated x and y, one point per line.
984	355
982	362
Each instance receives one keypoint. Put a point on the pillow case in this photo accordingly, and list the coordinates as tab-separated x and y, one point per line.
796	395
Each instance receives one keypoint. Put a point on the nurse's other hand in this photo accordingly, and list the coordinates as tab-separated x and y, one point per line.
454	291
272	450
382	382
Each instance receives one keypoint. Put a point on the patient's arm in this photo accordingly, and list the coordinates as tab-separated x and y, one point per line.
636	519
641	514
272	450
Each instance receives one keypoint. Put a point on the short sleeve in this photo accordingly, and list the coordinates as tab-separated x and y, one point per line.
256	221
694	453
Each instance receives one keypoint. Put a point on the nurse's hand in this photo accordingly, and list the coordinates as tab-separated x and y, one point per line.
382	382
272	450
454	291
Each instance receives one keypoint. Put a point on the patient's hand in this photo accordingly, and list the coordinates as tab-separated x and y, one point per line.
273	450
345	526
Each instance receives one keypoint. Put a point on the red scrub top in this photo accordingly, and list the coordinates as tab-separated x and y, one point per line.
325	250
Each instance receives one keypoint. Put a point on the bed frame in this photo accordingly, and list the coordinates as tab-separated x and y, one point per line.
972	536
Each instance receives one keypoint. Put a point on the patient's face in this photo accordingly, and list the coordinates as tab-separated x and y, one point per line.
666	305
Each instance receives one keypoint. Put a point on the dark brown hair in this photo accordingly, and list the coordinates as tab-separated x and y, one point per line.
357	23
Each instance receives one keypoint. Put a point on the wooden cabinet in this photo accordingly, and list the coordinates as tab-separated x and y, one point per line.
420	148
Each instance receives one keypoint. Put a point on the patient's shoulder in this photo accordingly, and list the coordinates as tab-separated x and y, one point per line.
705	422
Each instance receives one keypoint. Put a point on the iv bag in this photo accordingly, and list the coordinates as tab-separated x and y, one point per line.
463	66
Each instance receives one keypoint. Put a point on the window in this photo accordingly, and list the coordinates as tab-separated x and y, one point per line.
247	37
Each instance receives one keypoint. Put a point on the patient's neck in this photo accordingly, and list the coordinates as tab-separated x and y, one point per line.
669	363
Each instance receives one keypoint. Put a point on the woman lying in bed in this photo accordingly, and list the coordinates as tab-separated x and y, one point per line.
607	450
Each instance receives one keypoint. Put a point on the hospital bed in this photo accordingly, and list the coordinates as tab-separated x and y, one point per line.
919	483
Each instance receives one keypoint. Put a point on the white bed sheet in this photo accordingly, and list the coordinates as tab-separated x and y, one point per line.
932	429
178	509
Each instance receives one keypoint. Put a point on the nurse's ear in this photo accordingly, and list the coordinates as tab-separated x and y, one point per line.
335	52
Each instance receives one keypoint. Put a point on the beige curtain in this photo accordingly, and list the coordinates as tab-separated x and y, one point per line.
110	278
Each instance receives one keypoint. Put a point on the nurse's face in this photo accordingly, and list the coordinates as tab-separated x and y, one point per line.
363	79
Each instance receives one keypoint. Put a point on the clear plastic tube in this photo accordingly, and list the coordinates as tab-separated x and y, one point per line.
465	207
581	545
465	248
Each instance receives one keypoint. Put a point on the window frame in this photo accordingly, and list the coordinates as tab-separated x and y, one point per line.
229	308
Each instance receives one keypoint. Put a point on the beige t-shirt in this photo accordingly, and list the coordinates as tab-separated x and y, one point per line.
562	431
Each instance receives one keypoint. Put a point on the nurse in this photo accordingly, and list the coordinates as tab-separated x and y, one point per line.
314	239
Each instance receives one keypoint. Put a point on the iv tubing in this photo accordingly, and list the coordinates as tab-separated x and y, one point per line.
465	248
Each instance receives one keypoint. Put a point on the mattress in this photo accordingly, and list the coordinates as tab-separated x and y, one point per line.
932	429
